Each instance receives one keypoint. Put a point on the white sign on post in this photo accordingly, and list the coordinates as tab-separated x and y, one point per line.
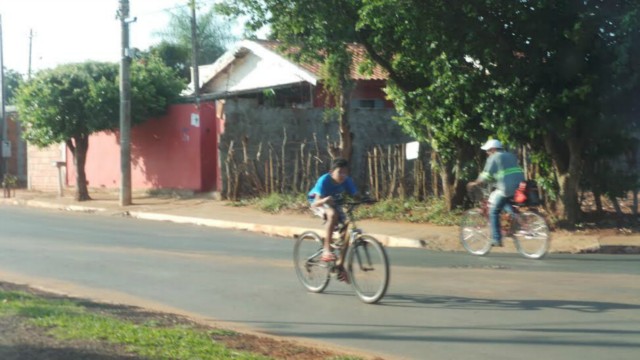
6	148
412	150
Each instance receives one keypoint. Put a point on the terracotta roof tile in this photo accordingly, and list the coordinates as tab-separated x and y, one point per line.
358	52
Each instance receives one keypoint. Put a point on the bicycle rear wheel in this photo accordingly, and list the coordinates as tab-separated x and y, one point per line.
475	236
368	268
312	272
531	235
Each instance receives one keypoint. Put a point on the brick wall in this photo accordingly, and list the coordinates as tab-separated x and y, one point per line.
42	174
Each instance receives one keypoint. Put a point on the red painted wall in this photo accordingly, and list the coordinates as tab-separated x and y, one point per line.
371	89
166	153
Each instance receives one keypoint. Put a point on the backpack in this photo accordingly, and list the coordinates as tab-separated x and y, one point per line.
527	193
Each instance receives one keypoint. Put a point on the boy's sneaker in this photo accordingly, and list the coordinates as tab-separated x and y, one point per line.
496	243
343	276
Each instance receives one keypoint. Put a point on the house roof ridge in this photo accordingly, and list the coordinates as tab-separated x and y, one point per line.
357	50
278	54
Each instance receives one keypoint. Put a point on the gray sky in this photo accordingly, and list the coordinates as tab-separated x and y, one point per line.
68	31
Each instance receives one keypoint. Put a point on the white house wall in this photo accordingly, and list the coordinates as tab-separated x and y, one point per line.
253	72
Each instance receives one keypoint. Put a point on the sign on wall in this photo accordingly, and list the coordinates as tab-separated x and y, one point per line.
195	120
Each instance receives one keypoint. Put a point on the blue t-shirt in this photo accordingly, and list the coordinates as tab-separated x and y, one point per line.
325	186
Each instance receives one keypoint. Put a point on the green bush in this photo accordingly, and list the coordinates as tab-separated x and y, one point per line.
432	210
9	181
275	203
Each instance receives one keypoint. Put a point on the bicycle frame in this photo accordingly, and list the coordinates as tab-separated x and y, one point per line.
506	220
526	228
364	258
349	225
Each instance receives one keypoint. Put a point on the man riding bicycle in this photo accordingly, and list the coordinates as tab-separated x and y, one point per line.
502	169
322	200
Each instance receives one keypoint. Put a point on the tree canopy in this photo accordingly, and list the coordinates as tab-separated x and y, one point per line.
12	81
320	31
558	77
213	34
72	101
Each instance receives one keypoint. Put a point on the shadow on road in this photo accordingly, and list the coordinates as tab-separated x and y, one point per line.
428	332
453	302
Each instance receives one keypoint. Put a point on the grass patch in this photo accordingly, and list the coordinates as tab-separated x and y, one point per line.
275	203
146	334
432	210
67	320
146	340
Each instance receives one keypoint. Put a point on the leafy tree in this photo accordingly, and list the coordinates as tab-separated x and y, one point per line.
398	39
212	33
72	101
12	81
558	76
175	56
445	114
571	61
321	32
555	72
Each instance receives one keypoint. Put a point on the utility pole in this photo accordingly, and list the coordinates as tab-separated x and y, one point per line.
194	53
125	107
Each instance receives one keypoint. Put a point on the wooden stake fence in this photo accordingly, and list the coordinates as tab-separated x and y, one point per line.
297	165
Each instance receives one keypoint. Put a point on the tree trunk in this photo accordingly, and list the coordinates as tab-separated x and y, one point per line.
568	208
616	206
79	148
568	168
433	172
598	201
346	136
453	188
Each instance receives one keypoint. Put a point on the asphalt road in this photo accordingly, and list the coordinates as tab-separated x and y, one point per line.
438	306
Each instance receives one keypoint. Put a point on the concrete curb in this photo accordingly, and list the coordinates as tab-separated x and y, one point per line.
273	230
430	241
284	231
48	205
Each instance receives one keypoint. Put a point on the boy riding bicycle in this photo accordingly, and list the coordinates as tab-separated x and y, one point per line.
322	198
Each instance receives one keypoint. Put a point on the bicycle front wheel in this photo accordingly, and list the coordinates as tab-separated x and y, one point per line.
531	235
312	272
475	236
368	268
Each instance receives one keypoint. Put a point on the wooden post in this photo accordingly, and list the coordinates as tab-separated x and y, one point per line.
402	161
271	179
283	179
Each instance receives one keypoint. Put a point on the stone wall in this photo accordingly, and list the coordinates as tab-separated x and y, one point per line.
265	128
41	169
